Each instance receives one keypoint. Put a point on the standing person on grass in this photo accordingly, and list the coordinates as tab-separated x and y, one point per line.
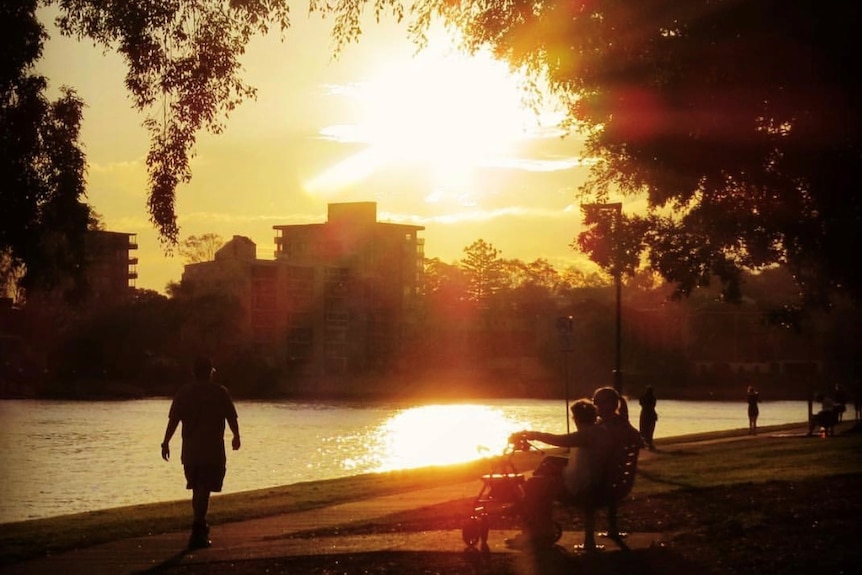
648	416
753	409
203	407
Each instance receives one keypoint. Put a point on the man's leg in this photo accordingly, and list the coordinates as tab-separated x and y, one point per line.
536	511
539	504
200	504
589	528
613	528
199	537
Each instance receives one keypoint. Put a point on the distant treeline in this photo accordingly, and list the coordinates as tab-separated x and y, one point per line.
497	339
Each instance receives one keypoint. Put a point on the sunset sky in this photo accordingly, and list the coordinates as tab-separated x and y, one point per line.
436	139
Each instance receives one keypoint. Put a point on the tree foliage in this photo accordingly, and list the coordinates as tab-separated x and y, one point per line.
195	249
737	119
11	273
184	73
483	269
42	164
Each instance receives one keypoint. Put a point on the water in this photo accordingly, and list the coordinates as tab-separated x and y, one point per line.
62	457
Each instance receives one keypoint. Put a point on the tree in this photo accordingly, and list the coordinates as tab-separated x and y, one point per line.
43	219
484	270
737	119
195	249
184	73
10	275
574	278
540	272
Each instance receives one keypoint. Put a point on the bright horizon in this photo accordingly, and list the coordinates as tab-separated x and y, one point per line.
435	138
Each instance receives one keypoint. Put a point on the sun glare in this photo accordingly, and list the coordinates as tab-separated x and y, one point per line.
442	435
444	109
441	110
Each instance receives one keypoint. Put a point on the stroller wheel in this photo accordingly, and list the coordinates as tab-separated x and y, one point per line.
558	532
471	531
549	537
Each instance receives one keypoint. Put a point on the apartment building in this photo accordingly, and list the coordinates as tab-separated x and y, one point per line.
110	267
340	297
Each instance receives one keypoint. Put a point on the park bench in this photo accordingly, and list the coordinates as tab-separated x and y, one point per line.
824	421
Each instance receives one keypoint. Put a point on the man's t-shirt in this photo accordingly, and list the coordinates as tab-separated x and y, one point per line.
203	409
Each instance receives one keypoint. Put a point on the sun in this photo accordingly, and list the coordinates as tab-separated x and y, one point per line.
444	108
440	110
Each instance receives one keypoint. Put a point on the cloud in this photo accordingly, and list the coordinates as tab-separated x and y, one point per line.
113	167
199	217
477	215
541	165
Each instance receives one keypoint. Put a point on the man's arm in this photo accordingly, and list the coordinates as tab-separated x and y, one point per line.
234	427
169	433
565	440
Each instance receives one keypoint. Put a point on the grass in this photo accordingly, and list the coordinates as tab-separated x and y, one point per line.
682	464
710	464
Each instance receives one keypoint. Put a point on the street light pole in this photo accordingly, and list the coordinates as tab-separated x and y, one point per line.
618	284
617	207
618	372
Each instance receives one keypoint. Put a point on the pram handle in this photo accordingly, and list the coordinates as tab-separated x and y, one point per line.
518	442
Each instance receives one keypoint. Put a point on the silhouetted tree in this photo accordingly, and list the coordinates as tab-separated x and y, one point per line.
738	119
10	275
43	218
196	249
483	269
183	73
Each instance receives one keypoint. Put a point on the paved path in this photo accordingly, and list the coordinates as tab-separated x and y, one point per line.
270	537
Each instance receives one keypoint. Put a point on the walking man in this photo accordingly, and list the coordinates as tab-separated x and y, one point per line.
203	407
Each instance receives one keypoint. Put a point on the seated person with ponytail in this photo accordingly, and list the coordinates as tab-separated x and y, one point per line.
600	470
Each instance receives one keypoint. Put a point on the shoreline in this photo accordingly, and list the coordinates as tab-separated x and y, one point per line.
256	524
455	469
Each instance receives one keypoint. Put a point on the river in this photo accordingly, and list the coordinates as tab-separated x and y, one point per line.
61	457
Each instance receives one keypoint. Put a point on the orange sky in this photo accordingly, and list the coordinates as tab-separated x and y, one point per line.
436	139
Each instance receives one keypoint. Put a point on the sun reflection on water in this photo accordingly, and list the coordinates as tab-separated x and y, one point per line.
441	435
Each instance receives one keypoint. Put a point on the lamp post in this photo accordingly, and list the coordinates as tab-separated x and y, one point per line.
617	208
564	332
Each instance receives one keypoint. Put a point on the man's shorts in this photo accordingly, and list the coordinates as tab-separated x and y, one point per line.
209	477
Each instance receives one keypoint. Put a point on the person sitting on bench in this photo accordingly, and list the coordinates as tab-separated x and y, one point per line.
601	447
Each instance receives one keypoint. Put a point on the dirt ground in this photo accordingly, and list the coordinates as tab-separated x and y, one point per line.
810	527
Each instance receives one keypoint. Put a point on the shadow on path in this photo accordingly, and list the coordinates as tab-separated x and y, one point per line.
554	561
166	564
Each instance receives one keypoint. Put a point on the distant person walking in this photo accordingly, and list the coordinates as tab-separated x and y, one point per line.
203	407
857	401
753	409
840	402
648	416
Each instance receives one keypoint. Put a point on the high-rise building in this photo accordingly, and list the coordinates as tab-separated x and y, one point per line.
110	269
339	298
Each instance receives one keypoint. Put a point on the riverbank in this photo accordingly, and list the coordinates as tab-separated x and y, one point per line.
713	501
435	385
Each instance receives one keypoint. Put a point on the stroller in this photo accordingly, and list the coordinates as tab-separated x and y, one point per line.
503	490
